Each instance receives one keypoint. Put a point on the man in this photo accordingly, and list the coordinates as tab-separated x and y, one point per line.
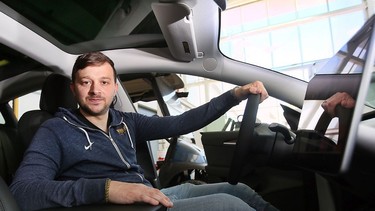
88	155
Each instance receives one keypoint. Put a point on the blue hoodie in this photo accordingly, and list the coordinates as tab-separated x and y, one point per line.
68	162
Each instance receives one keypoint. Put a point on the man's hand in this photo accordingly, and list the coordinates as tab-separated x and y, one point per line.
256	87
130	193
339	98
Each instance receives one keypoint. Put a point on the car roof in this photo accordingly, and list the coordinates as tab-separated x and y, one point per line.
72	24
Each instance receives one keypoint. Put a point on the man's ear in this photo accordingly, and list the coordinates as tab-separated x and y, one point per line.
116	88
72	89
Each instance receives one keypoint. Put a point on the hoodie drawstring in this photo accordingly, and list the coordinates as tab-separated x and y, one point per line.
88	139
127	131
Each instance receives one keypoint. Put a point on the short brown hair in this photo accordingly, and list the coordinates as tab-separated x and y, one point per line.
91	59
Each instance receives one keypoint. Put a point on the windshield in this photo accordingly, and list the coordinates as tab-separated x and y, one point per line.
294	37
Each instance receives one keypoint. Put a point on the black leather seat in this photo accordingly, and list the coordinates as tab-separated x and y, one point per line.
55	93
10	154
7	202
9	157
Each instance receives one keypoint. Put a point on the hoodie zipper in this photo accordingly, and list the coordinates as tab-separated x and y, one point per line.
108	136
116	147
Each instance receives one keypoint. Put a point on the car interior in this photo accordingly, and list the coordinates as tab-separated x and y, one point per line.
315	162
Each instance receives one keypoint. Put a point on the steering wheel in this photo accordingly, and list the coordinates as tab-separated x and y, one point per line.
345	117
245	136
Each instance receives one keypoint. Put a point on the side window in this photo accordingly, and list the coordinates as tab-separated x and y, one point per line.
269	111
26	103
12	65
292	37
2	120
6	116
201	90
29	102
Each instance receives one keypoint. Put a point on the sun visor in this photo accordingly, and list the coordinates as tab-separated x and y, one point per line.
176	23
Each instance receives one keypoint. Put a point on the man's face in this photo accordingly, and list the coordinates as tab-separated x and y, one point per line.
95	88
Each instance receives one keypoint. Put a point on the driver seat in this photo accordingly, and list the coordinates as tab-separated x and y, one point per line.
56	93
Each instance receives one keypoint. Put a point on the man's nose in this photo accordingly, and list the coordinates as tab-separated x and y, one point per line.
94	88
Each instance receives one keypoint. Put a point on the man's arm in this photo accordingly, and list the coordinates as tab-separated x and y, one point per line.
35	185
194	119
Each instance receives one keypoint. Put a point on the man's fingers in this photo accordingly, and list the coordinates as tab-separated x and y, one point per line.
155	197
149	200
129	193
339	98
258	88
348	102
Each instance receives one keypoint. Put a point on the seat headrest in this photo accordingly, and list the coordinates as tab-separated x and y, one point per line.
56	93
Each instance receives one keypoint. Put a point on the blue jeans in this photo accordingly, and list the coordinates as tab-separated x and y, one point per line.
217	196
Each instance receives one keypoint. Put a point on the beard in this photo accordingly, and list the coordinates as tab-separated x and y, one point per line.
91	112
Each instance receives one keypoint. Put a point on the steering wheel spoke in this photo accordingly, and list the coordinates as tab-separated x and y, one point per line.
245	136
